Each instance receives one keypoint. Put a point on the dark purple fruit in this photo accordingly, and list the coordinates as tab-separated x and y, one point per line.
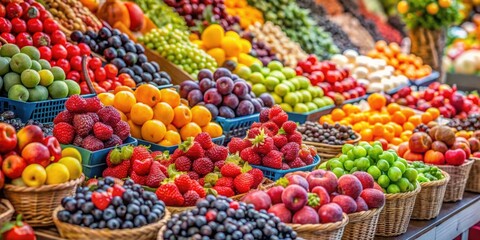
230	101
130	58
206	84
222	72
226	112
240	88
205	73
224	85
186	87
194	97
213	110
256	104
212	96
245	108
267	99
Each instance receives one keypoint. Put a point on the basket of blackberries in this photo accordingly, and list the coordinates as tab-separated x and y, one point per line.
328	138
111	211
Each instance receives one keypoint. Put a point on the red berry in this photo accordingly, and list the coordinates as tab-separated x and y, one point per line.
35	25
5	25
95	63
64	64
49	25
45	53
211	216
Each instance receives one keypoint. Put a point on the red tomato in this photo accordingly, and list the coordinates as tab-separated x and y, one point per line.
59	52
45	53
23	39
41	39
10	38
312	59
5	25
13	10
34	25
74	75
31	12
25	7
122	77
76	63
38	6
58	37
106	85
116	84
95	63
100	75
111	70
49	25
72	51
44	14
84	49
64	64
18	25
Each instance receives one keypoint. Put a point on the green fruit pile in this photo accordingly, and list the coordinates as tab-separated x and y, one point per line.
293	93
299	26
26	77
174	45
427	173
391	172
161	14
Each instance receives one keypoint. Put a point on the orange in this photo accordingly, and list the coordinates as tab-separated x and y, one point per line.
122	88
405	136
148	94
106	98
153	131
346	107
408	126
376	101
396	141
434	112
367	134
213	129
399	118
426	117
380	45
408	112
190	129
375	119
385	118
124	101
170	96
397	128
182	116
122	115
135	130
338	114
170	127
388	132
163	112
377	130
445	3
353	109
171	138
201	115
392	108
415	119
141	113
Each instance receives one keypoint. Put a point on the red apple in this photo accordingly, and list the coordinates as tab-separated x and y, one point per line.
29	134
365	178
259	199
439	146
8	138
464	146
13	166
306	215
320	177
275	194
53	148
281	212
347	203
349	185
294	197
419	142
434	157
455	157
329	213
36	153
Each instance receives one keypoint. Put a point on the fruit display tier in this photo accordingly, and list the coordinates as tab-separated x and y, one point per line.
155	147
275	174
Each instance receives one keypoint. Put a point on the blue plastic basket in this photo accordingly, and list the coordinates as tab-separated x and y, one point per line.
155	147
425	81
309	116
275	174
237	127
98	157
92	171
42	111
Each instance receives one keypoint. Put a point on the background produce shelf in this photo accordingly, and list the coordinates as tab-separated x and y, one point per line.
310	116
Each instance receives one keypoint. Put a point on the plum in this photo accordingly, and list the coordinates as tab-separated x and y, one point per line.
245	108
186	87
205	73
240	89
194	97
206	84
281	212
222	72
213	110
256	104
267	99
226	112
224	85
230	101
212	96
261	102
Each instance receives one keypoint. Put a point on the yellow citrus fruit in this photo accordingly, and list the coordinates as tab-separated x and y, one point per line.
432	8
218	54
124	101
141	113
122	115
135	130
213	129
163	112
246	46
153	131
106	98
201	115
72	152
232	34
170	96
212	36
402	7
445	3
190	129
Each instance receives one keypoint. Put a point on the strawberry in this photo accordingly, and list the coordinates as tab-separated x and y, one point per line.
295	137
192	149
191	198
140	153
225	182
117	190
308	160
280	119
290	151
256	125
183	164
138	179
217	153
76	104
264	115
114	157
101	200
219	164
230	170
118	171
170	195
64	133
243	182
193	175
93	104
262	143
235	145
304	152
205	140
63	116
247	142
280	140
297	163
273	160
253	132
257	176
183	183
285	166
224	191
289	127
155	176
250	156
313	151
199	189
271	127
203	166
142	167
274	111
176	154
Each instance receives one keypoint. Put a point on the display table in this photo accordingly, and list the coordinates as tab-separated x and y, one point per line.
453	220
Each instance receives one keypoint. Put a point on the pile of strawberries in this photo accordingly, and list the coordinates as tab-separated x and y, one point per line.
182	192
88	124
274	142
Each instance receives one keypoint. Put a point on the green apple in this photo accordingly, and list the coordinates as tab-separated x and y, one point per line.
291	98
18	92
4	66
73	165
46	77
265	71
31	51
289	72
256	67
10	79
278	75
307	96
244	72
58	89
73	87
36	66
38	93
8	50
300	96
328	100
295	82
301	108
270	82
58	73
34	175
30	78
286	107
256	77
20	62
258	89
311	106
45	64
320	91
275	65
320	102
313	91
290	85
276	98
304	82
57	173
281	89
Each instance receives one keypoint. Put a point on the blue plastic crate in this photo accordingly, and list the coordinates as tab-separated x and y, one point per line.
92	171
237	127
98	157
425	81
309	116
275	174
42	111
155	147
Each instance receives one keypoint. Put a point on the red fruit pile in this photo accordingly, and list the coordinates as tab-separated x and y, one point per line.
331	79
90	125
182	192
318	197
273	142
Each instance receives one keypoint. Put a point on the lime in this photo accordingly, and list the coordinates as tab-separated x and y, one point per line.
394	173
375	152
348	165
403	184
338	172
351	155
411	174
354	169
400	165
383	165
362	163
323	166
374	171
402	160
383	181
422	178
347	147
393	188
334	163
395	156
359	151
343	158
387	156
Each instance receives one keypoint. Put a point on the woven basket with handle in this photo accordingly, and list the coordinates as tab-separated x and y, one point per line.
327	231
458	180
36	204
362	225
429	200
473	182
394	218
6	211
70	231
327	151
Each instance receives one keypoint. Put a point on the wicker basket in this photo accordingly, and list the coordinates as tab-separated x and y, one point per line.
473	182
394	218
327	151
6	211
328	231
175	210
160	233
362	225
70	231
36	204
429	200
458	180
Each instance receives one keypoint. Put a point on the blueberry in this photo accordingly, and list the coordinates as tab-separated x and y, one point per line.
113	224
80	203
109	53
114	41
221	205
142	58
133	209
77	218
203	203
102	224
139	221
93	225
130	58
121	53
144	210
109	214
71	205
76	36
127	224
257	233
66	199
129	217
87	219
63	215
128	182
237	235
139	48
87	207
221	216
104	33
97	214
124	38
130	47
219	236
121	211
116	32
200	221
192	231
127	196
152	217
86	39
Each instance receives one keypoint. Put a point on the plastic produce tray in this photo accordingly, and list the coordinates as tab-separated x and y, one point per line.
310	116
275	174
155	147
425	81
92	171
237	127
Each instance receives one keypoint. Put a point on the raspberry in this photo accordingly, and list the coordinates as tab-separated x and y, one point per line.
64	132
113	141
93	104
94	117
183	164
76	104
83	124
109	115
102	131
63	116
92	143
264	115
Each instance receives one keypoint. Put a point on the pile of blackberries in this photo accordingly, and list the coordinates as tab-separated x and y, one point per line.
223	218
135	208
471	123
129	57
326	133
10	118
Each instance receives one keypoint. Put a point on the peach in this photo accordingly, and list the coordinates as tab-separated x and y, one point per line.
329	213
476	154
434	157
373	197
347	203
36	153
445	134
455	157
439	146
281	212
402	148
410	156
365	178
419	142
29	134
361	204
306	215
349	185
